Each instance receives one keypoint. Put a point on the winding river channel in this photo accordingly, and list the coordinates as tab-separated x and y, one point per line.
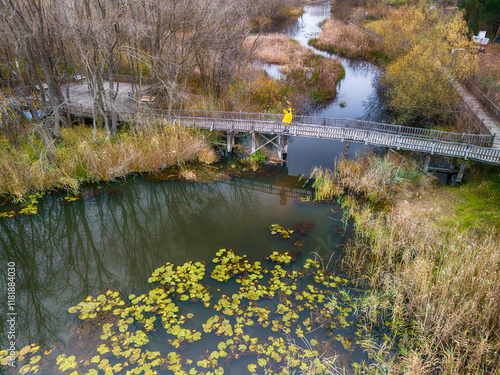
356	92
116	235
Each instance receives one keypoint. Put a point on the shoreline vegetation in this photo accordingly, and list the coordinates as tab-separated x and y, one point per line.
309	79
78	159
432	278
430	266
348	40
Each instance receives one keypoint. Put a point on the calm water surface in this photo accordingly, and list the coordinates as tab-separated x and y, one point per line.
119	234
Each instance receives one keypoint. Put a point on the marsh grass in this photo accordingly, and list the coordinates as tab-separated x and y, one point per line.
433	300
488	76
374	178
309	79
347	40
79	159
277	48
437	291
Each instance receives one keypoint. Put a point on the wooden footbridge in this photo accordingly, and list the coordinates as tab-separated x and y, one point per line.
267	129
476	147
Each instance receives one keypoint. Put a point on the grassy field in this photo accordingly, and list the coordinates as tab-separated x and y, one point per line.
429	258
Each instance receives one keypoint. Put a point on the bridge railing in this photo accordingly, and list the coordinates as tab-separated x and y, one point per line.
367	136
407	131
483	99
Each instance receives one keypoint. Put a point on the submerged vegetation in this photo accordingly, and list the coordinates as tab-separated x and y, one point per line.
432	303
25	170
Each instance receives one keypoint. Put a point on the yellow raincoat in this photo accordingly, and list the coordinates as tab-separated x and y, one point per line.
287	119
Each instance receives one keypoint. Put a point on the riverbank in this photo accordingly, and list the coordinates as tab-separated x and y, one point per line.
25	170
309	79
429	256
348	40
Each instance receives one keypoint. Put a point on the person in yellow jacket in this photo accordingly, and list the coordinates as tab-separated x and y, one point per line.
287	119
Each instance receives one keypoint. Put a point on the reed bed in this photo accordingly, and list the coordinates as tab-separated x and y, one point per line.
276	48
80	160
347	40
433	293
371	177
309	79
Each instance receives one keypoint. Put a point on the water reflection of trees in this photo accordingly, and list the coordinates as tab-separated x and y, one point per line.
69	251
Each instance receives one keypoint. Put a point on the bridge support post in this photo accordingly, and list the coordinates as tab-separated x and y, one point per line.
230	141
282	146
461	171
346	148
255	141
426	162
453	164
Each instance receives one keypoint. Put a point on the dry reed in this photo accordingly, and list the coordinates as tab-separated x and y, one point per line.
79	159
347	39
438	290
279	49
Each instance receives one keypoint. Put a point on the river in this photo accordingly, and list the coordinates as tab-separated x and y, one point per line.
356	91
115	235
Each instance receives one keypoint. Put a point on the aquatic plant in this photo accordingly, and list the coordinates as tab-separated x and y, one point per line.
30	208
278	229
301	321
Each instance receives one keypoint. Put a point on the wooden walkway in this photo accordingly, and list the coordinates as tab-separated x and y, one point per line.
489	121
464	146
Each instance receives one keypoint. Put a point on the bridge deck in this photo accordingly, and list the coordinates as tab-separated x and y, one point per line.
345	130
466	146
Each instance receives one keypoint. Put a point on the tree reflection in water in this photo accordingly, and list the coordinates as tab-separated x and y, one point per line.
71	250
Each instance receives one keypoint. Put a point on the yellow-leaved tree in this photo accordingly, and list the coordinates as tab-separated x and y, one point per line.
429	48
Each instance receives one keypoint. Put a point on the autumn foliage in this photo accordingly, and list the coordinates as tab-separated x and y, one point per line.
428	48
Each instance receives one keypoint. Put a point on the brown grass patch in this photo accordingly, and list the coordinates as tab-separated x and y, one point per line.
346	39
79	159
488	77
277	49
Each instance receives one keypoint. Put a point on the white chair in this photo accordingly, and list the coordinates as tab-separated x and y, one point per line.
481	40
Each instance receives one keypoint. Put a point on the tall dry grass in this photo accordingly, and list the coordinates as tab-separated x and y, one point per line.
432	304
439	293
79	159
276	48
309	79
372	177
347	40
487	78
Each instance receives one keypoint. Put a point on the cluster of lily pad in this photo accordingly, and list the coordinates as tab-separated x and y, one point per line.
278	229
28	209
283	258
269	298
